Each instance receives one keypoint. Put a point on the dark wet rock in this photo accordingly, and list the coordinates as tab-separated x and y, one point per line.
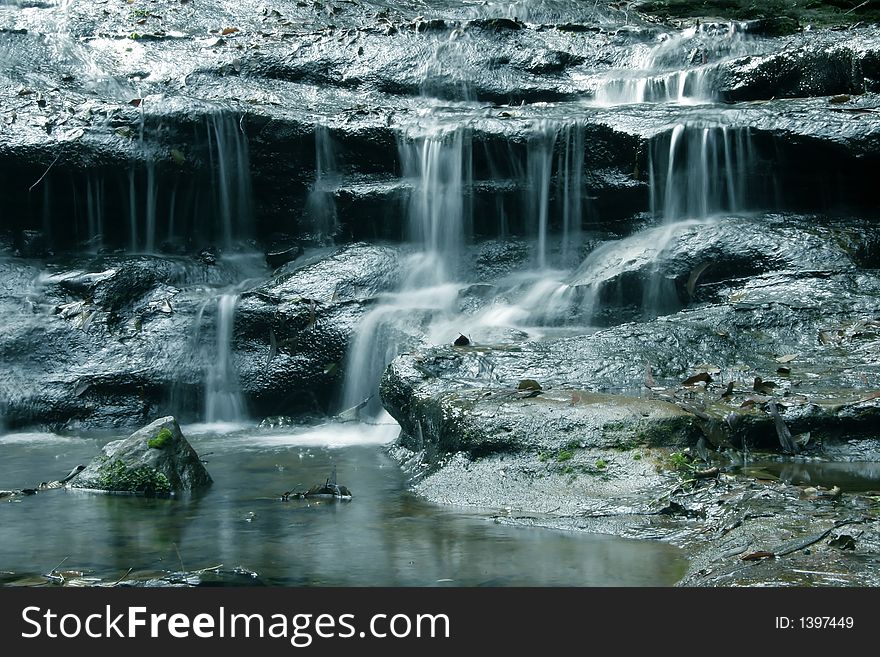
104	341
279	254
155	460
372	64
293	331
818	65
111	341
773	16
351	273
328	490
450	399
662	269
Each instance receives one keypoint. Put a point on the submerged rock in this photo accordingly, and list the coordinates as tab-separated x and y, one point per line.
156	460
329	490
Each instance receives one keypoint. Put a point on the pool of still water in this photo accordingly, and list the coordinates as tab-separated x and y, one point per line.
384	536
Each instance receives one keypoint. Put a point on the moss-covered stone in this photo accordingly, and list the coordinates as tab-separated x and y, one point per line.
115	476
156	460
161	439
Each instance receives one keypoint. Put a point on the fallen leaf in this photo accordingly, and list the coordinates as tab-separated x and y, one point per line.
702	377
136	102
694	277
787	358
229	30
764	387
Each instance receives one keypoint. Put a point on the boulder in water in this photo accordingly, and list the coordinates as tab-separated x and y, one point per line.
329	490
156	460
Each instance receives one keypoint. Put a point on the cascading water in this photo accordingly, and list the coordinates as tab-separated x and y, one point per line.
696	172
679	69
439	165
702	170
542	295
540	169
320	205
95	210
230	164
223	399
150	189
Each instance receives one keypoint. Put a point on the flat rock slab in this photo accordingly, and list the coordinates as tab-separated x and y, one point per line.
155	460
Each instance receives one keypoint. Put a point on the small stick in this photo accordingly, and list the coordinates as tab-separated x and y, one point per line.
31	188
127	573
179	558
856	7
61	563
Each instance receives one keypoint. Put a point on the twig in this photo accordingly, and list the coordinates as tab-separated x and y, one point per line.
179	558
61	563
856	7
57	157
211	569
127	573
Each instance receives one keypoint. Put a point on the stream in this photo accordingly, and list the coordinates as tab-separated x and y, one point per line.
384	536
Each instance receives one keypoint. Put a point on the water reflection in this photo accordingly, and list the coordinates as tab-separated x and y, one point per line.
849	477
384	536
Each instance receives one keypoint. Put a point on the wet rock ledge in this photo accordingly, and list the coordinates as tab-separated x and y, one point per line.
642	429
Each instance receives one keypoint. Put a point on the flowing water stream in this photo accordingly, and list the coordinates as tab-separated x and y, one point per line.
384	537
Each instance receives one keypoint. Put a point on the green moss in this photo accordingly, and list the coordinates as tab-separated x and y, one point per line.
161	439
637	456
115	476
679	462
564	455
601	464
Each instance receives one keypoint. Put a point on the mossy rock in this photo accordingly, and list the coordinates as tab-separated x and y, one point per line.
157	460
161	439
115	476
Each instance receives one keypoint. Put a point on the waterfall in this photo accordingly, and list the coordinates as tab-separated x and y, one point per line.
223	399
438	163
540	169
563	144
230	164
150	189
679	69
570	188
95	211
697	171
320	206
